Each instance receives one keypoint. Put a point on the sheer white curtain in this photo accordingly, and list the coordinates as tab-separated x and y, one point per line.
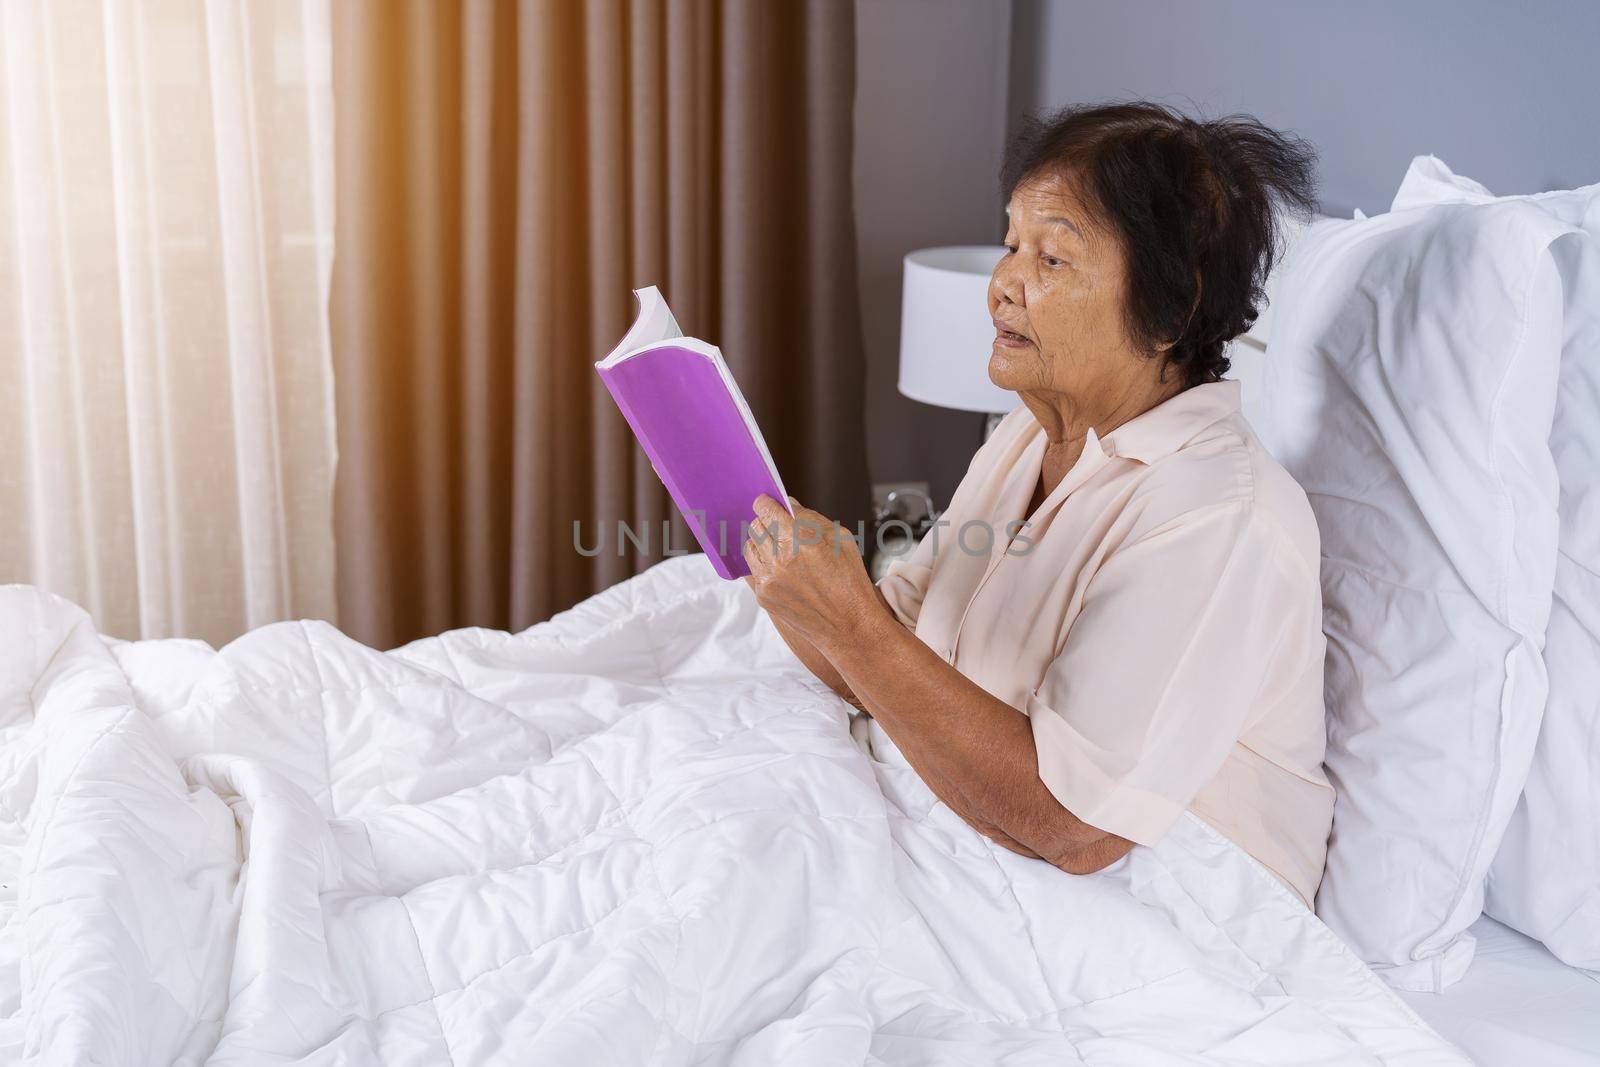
166	238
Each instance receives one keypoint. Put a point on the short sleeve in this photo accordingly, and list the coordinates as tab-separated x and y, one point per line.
1163	665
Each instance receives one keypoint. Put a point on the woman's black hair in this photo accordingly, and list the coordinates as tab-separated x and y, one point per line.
1195	204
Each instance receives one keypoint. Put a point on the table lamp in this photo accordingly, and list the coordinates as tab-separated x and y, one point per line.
946	331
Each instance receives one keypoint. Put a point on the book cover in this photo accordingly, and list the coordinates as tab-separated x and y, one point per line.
694	425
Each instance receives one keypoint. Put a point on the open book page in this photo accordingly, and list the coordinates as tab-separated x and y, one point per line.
655	323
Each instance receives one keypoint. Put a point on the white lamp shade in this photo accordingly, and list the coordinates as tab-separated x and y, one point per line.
946	332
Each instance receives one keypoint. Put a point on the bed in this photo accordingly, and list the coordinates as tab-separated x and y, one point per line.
1517	1005
639	832
636	833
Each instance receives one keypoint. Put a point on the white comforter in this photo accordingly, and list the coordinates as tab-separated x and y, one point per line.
638	833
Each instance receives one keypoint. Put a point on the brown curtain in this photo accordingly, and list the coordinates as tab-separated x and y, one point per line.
507	174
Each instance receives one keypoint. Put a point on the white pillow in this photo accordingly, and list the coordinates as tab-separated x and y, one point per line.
1545	880
1410	390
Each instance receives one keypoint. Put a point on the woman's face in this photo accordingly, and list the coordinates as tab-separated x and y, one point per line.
1057	301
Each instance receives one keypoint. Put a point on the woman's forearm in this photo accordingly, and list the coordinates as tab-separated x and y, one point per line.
974	751
817	663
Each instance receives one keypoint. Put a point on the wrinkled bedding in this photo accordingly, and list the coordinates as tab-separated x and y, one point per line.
637	833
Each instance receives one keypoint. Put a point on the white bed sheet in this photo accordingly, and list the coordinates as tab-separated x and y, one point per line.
1517	1005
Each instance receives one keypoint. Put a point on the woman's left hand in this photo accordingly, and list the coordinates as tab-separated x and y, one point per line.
806	571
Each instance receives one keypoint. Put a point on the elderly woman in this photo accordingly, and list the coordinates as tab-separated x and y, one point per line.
1141	634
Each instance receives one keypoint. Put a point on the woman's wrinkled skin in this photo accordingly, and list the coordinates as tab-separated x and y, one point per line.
1062	343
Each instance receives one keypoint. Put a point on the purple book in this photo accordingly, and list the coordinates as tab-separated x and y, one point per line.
687	412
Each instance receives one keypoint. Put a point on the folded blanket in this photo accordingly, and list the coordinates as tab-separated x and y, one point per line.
637	833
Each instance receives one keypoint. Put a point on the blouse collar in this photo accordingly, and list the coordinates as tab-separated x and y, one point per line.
1172	423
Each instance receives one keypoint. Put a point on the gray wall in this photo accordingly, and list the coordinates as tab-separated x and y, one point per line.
1506	92
931	107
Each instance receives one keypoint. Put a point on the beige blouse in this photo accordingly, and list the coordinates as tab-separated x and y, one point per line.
1159	620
